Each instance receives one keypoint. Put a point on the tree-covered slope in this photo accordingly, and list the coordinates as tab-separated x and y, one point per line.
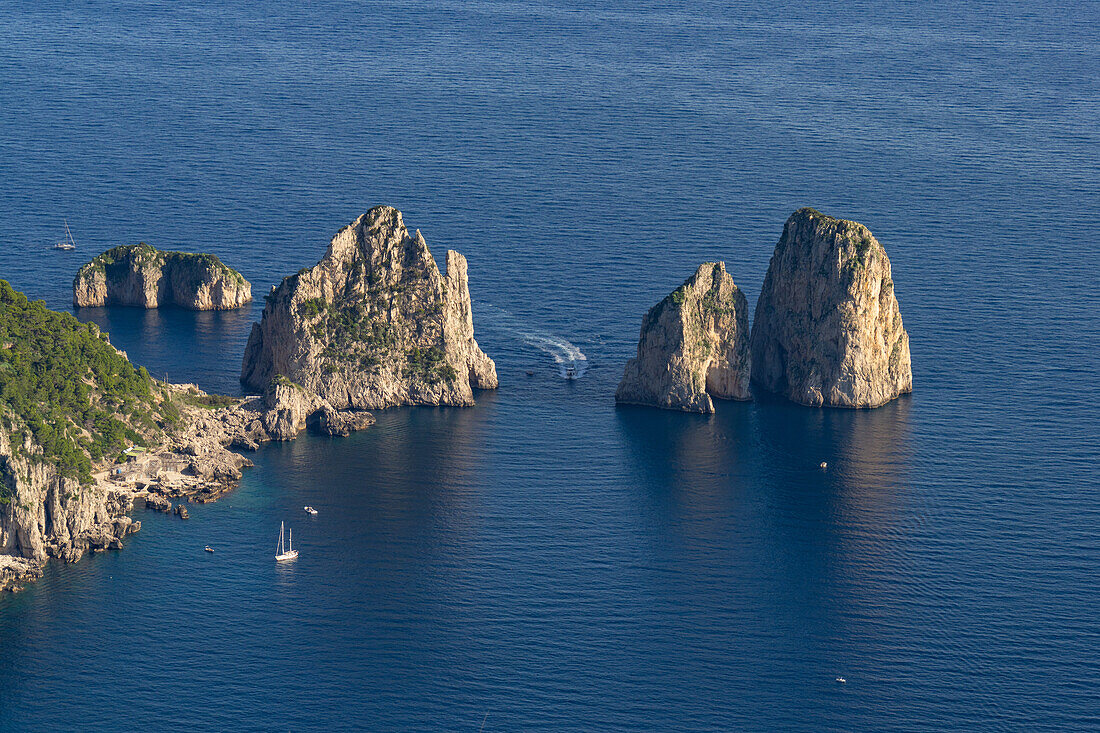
67	397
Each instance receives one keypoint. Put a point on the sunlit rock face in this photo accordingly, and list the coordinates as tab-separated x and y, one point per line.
694	345
374	324
827	328
141	275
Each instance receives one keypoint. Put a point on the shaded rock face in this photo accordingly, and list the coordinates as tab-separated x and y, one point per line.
46	515
694	345
140	275
374	324
343	422
288	406
827	328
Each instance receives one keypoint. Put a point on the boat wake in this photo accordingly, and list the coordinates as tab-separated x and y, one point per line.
570	361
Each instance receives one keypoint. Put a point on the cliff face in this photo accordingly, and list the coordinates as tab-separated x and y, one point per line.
140	275
69	402
374	324
827	328
84	435
694	345
50	515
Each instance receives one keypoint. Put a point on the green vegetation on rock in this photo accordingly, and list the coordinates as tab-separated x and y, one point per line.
196	267
429	363
67	390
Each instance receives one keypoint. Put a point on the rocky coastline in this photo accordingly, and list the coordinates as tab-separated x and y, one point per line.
376	324
54	516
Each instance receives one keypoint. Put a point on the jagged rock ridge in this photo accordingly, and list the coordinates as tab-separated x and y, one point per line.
374	324
827	328
694	345
143	276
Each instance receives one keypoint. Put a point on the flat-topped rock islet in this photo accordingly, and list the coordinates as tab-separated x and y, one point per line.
827	328
143	276
694	345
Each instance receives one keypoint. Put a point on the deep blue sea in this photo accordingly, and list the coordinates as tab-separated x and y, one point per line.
545	561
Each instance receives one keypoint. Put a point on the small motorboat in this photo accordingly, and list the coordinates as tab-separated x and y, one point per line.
310	510
530	373
841	680
823	465
285	552
208	548
571	371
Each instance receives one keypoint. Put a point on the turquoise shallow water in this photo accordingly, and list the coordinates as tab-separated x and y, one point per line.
546	561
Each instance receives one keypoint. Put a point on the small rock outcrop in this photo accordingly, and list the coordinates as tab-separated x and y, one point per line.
143	276
373	325
343	422
287	407
15	571
158	503
694	345
827	328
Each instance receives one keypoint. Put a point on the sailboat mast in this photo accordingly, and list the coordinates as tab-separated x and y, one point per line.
292	539
280	538
69	234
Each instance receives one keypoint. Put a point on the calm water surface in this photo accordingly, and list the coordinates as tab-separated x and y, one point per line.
546	561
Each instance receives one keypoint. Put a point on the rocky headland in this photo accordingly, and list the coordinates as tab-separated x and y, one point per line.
373	325
143	276
694	345
827	328
85	437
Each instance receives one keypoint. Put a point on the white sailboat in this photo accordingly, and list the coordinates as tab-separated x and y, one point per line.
286	552
69	244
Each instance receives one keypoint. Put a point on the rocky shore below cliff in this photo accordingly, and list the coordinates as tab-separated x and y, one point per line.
197	462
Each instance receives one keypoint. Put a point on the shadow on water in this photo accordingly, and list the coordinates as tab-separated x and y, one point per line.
200	347
743	529
688	465
396	503
832	527
740	495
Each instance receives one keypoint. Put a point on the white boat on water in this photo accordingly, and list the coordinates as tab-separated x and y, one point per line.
286	552
69	244
310	510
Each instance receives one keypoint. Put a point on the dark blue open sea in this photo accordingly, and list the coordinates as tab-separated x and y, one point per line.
545	561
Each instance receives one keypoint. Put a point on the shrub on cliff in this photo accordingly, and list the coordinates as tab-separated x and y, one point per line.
64	386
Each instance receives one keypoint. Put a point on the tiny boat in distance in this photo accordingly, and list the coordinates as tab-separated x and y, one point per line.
310	510
286	552
571	370
208	548
68	245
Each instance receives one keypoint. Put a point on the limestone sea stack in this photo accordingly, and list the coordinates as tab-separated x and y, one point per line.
373	325
827	328
694	345
143	276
